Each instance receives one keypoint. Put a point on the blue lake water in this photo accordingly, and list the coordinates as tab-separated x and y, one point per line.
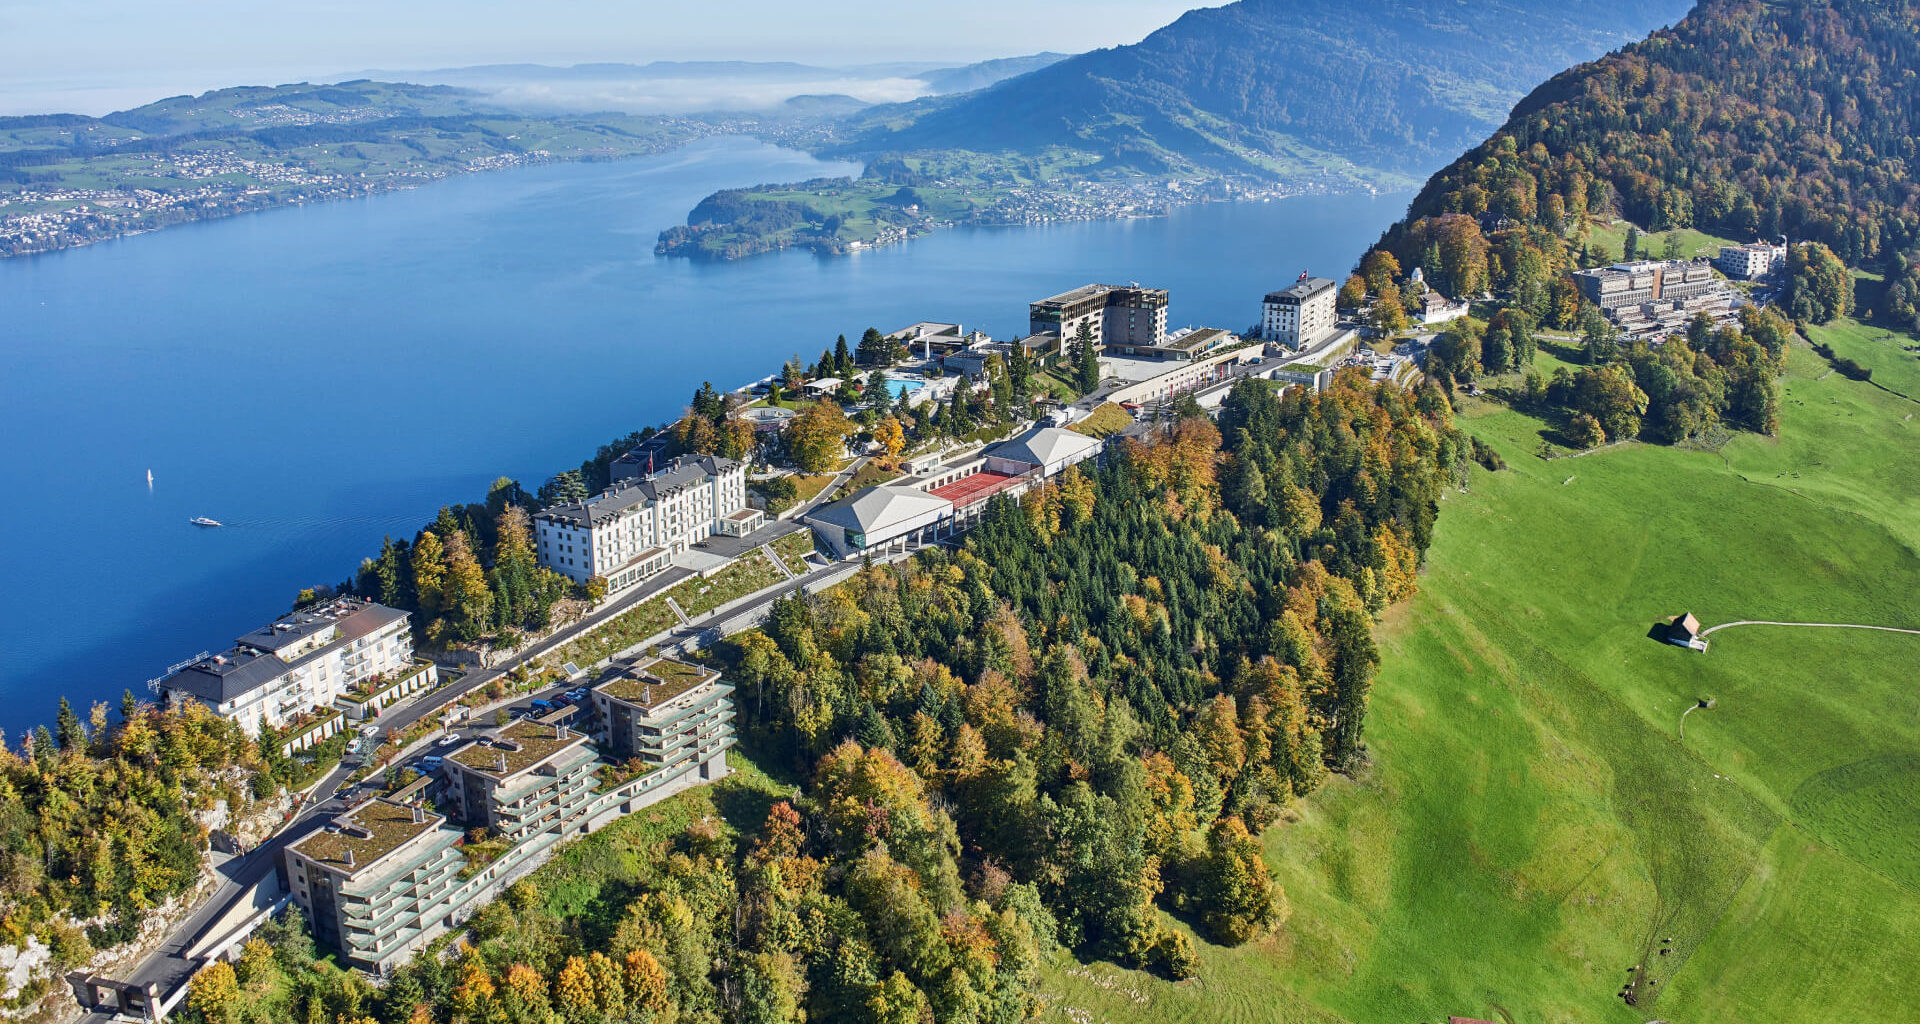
320	376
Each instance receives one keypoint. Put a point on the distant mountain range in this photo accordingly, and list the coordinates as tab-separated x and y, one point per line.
698	86
1388	84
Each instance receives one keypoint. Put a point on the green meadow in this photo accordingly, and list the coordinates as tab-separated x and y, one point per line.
1613	238
1534	830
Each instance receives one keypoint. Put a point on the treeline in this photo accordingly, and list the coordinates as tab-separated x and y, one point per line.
472	574
1687	385
97	818
1747	119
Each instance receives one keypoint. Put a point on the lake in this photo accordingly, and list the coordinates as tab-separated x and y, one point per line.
319	376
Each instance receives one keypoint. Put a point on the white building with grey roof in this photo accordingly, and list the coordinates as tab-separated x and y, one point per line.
296	663
947	498
1301	314
632	530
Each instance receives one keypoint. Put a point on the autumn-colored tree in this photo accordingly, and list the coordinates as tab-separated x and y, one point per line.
429	570
1353	294
1239	899
214	993
892	439
573	989
1380	269
1218	730
817	437
466	599
1584	431
646	981
1387	314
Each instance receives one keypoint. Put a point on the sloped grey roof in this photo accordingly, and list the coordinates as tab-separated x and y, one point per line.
682	472
1044	446
224	677
875	509
1301	290
247	667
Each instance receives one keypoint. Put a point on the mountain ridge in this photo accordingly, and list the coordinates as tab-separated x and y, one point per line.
1393	85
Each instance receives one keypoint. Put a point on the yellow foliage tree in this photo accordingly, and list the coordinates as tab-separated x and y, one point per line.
892	438
213	992
573	989
646	981
817	436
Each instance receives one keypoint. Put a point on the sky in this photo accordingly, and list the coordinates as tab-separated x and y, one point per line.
94	56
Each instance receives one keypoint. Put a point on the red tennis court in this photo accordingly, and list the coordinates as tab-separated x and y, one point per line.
978	487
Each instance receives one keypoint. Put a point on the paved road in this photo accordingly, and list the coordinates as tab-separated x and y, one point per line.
1818	625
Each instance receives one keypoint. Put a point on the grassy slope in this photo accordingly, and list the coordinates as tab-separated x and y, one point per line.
1532	826
1613	238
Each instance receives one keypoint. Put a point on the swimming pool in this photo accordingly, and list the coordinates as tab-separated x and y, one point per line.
903	388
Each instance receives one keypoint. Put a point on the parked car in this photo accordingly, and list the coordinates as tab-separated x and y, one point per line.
544	705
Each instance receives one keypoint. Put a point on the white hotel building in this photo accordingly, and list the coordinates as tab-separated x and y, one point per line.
297	663
633	529
1300	315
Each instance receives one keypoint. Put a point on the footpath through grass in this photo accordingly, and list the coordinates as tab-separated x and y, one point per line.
1532	826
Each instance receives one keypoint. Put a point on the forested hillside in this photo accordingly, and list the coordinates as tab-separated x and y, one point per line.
1388	84
1083	717
1747	119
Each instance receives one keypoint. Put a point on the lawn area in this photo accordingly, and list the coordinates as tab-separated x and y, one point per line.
1105	421
1532	826
809	485
1056	382
794	547
872	474
751	572
628	851
1613	238
748	573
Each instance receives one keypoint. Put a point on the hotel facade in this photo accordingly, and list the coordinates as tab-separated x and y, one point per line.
632	530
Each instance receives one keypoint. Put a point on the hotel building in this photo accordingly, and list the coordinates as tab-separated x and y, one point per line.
632	530
1115	314
297	663
1300	315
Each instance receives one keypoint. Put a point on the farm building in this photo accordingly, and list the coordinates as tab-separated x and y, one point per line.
1685	632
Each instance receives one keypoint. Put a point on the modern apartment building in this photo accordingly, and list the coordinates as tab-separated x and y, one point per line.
381	880
671	715
633	529
1654	298
389	876
1115	314
1630	284
1300	315
1752	261
296	663
527	778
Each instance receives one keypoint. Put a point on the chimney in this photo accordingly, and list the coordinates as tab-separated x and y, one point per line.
349	856
559	731
500	761
646	694
419	815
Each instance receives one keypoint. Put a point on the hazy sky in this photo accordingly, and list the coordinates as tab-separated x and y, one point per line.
95	55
